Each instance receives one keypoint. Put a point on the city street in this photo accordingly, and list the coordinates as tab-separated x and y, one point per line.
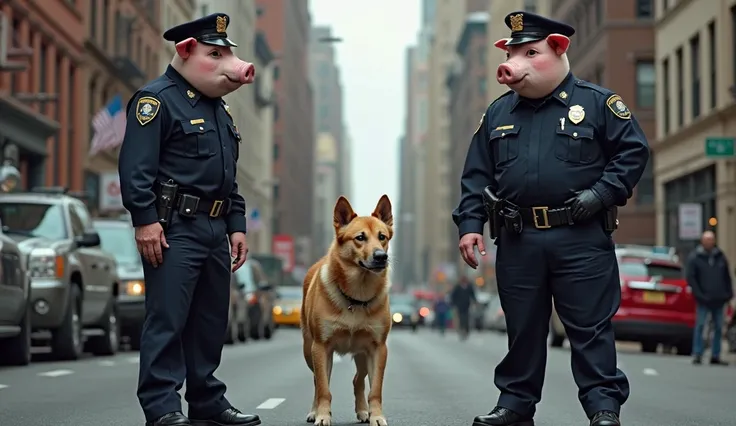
430	380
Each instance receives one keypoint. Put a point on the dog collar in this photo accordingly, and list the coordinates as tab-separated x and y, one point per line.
353	303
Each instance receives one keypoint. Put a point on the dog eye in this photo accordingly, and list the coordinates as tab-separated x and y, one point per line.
360	237
381	237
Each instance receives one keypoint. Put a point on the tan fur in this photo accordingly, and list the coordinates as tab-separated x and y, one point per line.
328	326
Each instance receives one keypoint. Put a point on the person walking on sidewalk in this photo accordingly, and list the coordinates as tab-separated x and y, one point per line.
463	298
709	277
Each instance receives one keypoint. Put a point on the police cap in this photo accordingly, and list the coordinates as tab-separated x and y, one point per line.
208	30
527	27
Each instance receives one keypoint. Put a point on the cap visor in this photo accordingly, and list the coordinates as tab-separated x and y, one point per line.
514	41
224	42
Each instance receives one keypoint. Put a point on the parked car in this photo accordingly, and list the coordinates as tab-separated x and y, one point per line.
118	238
657	306
238	323
287	311
260	293
73	281
15	317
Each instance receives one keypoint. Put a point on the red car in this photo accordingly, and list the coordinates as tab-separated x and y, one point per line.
657	305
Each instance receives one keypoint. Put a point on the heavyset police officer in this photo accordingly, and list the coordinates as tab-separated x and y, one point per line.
547	174
177	174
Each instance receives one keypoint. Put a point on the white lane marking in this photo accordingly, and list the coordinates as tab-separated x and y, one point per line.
336	358
270	403
650	372
107	363
56	373
134	360
4	386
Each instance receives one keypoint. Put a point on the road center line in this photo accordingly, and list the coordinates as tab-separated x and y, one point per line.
56	373
650	372
270	403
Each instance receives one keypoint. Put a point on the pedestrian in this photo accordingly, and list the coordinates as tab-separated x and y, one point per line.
177	168
462	298
441	312
709	277
551	159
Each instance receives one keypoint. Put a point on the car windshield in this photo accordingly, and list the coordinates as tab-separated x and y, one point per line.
120	242
641	269
33	220
402	299
290	293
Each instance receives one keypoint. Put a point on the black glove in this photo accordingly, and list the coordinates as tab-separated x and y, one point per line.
584	205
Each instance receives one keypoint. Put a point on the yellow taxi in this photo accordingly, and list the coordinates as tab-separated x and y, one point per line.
287	310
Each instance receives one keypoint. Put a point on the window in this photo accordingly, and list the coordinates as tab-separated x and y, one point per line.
680	88
644	9
119	241
645	187
275	152
93	19
105	21
695	72
77	226
645	77
530	6
83	214
666	94
635	268
712	44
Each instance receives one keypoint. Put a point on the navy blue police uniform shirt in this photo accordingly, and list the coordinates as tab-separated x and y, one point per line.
539	152
174	132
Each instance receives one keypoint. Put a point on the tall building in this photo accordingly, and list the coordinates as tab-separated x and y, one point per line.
122	47
696	122
173	13
43	105
286	25
324	74
613	46
326	189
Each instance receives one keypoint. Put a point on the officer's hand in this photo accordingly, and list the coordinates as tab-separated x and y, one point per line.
467	248
150	238
239	249
584	205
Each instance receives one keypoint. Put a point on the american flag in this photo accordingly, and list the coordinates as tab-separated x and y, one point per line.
109	126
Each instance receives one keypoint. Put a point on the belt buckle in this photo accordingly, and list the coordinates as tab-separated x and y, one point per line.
216	208
545	217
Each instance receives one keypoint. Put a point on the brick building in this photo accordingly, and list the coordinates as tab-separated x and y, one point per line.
286	25
43	122
613	46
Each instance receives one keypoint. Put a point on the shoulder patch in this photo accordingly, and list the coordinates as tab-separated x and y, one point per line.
146	109
618	107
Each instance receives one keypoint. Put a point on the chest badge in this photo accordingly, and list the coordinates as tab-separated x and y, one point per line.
576	114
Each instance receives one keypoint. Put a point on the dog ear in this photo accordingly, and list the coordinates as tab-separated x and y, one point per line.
343	214
383	211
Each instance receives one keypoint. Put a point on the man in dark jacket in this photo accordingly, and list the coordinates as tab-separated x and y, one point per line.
709	277
462	298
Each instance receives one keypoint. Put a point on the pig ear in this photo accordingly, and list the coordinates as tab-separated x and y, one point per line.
184	48
559	43
501	44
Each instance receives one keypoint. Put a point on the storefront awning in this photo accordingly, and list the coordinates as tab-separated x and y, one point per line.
23	127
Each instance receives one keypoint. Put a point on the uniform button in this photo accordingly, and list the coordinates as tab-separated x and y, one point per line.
574	134
503	134
201	128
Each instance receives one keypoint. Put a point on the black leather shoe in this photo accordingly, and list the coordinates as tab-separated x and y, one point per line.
503	417
177	418
229	417
605	418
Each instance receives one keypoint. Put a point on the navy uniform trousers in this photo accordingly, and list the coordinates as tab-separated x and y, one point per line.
187	305
575	265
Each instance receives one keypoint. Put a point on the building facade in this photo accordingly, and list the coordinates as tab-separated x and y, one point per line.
43	115
286	25
613	46
173	13
695	169
326	189
122	47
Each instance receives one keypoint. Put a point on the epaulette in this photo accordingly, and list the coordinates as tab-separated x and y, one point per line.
595	87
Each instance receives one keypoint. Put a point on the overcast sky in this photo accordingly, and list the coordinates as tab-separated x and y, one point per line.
371	59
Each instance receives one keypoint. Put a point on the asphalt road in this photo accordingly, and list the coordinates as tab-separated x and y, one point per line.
431	380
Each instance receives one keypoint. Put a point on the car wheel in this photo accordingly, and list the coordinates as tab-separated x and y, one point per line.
17	349
649	347
109	343
66	341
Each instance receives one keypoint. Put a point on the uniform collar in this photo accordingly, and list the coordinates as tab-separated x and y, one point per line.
562	93
187	91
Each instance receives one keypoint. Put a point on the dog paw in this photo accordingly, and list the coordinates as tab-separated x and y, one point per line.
363	416
378	421
323	420
311	416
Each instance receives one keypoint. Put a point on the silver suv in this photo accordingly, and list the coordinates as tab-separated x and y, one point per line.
74	283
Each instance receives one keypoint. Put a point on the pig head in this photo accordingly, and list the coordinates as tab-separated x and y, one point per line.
214	71
534	69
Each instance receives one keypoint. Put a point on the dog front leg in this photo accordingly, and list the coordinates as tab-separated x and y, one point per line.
361	371
322	362
376	369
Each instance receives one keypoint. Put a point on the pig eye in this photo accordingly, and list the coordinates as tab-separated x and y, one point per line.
531	52
215	54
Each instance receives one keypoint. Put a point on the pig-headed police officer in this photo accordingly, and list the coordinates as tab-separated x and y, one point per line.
177	169
547	167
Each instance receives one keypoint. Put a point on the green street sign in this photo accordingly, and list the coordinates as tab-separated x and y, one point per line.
719	147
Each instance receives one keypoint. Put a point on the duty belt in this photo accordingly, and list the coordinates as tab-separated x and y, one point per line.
213	208
543	217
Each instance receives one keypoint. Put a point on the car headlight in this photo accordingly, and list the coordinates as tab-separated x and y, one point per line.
45	263
398	317
135	288
277	310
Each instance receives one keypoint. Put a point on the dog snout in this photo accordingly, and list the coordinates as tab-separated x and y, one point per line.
380	256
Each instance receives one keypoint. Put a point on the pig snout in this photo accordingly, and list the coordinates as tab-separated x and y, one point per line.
508	73
245	72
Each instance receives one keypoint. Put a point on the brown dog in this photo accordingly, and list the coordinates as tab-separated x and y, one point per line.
345	310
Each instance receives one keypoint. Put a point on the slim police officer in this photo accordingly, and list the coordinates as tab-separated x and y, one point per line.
179	186
551	170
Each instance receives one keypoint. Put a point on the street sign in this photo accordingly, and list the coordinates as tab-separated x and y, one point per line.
110	199
283	248
719	147
690	217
